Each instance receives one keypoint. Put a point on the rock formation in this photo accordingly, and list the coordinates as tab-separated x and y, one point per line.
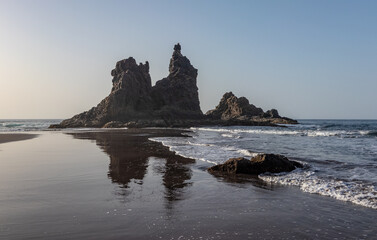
133	100
172	102
239	109
177	94
262	163
231	107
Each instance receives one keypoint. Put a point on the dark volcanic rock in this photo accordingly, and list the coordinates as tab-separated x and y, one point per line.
177	94
233	166
129	97
273	113
233	108
172	102
262	163
134	102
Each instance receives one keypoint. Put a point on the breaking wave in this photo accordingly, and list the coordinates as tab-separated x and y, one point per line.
356	192
340	156
297	132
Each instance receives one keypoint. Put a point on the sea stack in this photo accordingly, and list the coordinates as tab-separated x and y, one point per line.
176	96
134	102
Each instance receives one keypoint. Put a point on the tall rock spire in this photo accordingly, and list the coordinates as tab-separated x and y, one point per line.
178	92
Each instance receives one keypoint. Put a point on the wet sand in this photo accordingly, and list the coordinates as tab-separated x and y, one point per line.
12	137
117	184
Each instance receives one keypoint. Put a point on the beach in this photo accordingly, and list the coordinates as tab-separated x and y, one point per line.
117	184
4	138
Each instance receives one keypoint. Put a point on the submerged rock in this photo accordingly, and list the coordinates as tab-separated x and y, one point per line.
262	163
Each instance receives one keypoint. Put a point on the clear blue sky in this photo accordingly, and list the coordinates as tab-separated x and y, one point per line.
308	59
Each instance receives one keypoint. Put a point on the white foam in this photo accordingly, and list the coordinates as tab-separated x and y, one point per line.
209	153
188	149
207	146
227	132
317	133
307	181
248	153
227	135
364	132
200	144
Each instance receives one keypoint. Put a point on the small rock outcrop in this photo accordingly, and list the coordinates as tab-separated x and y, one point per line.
262	163
231	107
234	108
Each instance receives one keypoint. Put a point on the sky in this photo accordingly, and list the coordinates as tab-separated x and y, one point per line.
308	59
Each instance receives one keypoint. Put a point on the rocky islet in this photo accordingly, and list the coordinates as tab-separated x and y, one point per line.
172	102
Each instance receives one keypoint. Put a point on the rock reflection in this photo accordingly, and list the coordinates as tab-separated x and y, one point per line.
129	152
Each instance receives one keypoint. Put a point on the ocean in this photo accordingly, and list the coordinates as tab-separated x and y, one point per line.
340	156
26	125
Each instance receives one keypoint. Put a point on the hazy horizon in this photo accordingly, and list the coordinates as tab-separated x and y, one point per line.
309	60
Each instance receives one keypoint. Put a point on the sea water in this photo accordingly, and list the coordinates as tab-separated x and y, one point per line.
340	156
25	125
92	185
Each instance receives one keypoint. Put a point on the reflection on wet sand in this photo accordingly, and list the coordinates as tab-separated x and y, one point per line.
130	154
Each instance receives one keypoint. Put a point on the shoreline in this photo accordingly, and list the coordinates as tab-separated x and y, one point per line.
118	184
13	137
219	201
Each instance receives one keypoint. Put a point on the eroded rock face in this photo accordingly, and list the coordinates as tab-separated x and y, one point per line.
133	98
177	94
129	97
234	108
262	163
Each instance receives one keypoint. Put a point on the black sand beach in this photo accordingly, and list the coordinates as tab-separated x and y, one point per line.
116	184
11	137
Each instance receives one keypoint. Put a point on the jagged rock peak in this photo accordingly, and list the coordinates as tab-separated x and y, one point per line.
180	64
177	47
128	74
177	51
178	90
128	64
